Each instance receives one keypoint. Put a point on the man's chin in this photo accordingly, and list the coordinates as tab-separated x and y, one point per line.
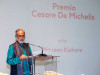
21	42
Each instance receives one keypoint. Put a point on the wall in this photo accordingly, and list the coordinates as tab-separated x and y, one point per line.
65	28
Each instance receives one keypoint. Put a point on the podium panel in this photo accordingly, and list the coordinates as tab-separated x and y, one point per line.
40	65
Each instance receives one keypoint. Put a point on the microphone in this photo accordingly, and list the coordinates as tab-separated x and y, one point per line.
41	48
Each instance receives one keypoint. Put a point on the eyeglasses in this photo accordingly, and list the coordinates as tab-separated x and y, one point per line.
21	35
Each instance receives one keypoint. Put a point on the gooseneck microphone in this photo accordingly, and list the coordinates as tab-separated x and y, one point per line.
41	48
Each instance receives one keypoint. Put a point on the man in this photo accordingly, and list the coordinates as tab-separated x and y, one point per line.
17	52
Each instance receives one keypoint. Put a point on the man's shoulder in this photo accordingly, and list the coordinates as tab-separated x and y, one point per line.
26	43
11	45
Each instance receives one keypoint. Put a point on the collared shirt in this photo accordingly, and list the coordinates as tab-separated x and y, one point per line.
13	61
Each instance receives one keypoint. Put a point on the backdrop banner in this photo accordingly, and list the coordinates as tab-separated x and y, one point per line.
66	28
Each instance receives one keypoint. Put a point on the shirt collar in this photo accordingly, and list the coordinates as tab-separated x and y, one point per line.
20	44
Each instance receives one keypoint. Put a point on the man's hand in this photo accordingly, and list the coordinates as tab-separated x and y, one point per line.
23	56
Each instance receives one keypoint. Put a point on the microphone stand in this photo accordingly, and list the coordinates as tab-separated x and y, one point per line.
41	48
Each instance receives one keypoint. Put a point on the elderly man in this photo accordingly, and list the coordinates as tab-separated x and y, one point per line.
18	51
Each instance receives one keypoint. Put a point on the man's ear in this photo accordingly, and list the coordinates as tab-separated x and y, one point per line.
16	36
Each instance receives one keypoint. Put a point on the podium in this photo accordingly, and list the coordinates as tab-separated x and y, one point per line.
41	65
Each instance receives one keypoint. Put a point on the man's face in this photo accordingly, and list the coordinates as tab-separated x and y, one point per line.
20	36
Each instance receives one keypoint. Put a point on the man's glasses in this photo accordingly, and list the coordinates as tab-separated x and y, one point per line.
21	35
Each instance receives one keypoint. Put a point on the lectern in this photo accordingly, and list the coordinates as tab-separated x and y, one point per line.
41	65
